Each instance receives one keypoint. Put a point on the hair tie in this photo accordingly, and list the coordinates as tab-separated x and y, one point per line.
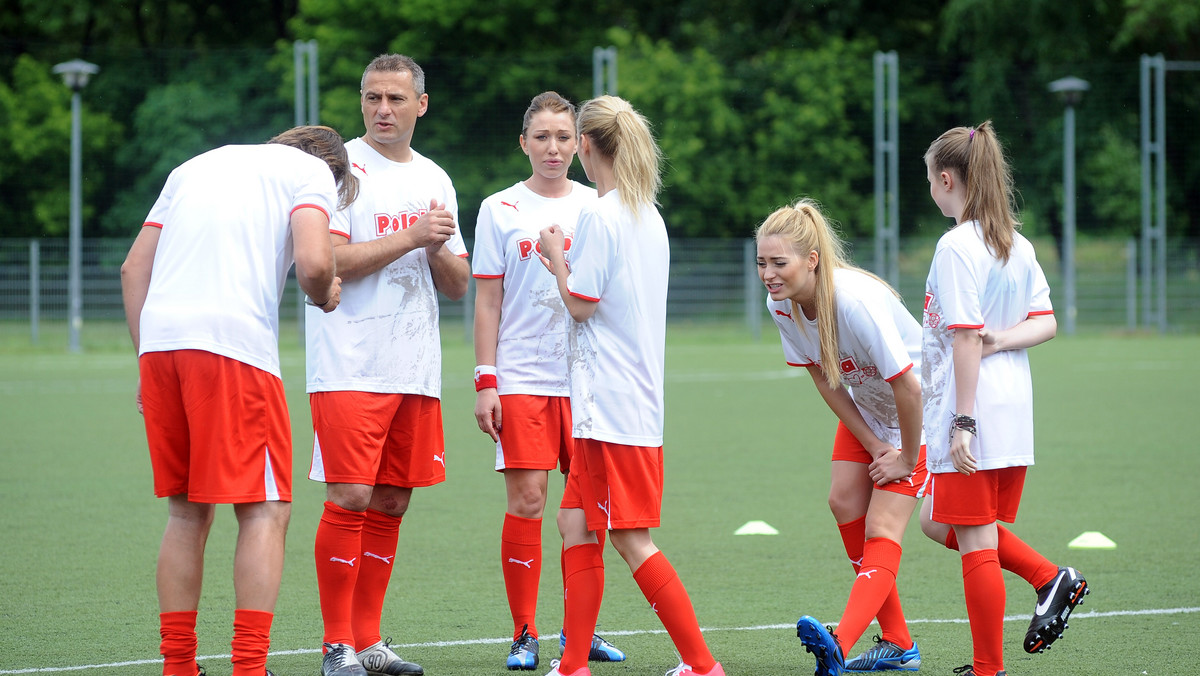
971	136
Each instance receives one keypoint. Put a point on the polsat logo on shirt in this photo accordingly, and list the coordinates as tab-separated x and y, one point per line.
386	224
528	246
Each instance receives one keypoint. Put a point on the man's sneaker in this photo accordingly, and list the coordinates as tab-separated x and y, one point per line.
886	656
821	642
581	671
524	652
969	670
685	670
340	660
381	660
600	651
1056	600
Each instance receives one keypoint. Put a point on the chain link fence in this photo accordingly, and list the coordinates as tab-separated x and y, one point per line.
712	281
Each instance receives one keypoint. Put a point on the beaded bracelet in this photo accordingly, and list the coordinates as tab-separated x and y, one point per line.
965	423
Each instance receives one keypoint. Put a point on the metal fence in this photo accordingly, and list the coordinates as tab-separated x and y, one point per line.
712	280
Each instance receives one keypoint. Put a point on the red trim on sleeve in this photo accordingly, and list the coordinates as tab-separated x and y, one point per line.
340	233
904	370
792	363
152	224
464	254
965	326
489	276
1040	313
580	295
310	206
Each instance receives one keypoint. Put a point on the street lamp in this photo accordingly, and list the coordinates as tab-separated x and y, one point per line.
1070	90
75	74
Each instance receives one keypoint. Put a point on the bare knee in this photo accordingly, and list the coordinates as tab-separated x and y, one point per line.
391	500
526	493
634	546
352	497
938	532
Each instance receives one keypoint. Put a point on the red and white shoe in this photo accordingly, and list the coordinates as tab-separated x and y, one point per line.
685	670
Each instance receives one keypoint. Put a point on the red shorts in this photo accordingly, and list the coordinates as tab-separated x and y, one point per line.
616	486
218	429
535	433
848	448
377	439
984	497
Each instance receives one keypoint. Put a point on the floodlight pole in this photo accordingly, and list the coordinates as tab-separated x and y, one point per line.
604	71
1071	90
75	75
887	167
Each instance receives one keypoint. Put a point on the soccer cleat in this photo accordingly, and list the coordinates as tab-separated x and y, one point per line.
524	652
581	671
600	651
886	656
969	670
381	660
685	670
340	660
1056	600
822	643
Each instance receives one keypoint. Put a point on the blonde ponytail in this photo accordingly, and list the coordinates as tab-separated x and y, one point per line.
804	226
622	134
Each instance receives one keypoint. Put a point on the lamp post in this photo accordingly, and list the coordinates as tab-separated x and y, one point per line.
1070	90
75	74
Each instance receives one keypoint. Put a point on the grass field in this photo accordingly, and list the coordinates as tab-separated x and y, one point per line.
747	438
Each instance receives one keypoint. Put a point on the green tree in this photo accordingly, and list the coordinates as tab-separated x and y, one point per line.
35	116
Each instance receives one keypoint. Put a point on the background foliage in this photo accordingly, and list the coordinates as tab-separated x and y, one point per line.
755	103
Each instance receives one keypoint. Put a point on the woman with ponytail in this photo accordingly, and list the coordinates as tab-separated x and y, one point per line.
615	289
521	356
862	348
986	302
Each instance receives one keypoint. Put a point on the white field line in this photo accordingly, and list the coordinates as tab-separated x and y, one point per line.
627	632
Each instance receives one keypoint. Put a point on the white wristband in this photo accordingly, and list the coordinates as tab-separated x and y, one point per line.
484	370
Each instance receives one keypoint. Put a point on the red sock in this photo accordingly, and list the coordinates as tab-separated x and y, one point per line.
178	647
251	641
1023	560
664	590
983	587
1018	557
583	568
380	534
521	562
875	584
338	551
562	567
892	624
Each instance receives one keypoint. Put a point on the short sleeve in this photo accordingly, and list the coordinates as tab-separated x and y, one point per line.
488	257
316	188
958	289
594	251
873	327
1039	303
162	205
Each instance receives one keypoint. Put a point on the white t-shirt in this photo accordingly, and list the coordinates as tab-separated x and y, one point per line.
384	336
617	356
968	289
225	250
531	354
878	341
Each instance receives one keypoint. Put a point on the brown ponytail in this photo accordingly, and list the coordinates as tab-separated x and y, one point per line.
977	159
